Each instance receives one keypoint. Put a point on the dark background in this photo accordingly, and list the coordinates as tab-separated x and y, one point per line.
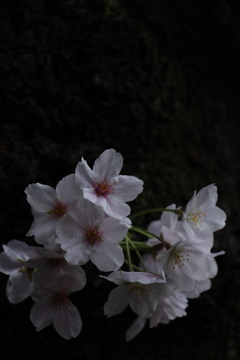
156	80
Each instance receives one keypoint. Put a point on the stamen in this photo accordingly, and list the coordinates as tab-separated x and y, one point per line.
93	235
104	188
178	258
58	210
195	218
139	290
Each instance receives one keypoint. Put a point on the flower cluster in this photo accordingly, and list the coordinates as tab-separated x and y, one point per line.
86	218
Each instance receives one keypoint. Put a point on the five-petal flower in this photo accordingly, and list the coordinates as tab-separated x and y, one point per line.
103	185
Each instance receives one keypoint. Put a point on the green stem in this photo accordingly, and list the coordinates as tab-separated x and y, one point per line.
133	266
138	254
149	234
130	265
138	245
176	211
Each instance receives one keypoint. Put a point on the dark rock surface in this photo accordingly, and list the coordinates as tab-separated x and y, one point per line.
158	81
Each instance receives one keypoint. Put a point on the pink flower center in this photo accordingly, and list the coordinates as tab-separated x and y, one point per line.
60	299
58	210
104	188
93	235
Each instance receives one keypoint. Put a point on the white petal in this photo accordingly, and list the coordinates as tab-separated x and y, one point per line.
169	308
135	328
143	298
170	236
127	188
151	264
114	230
90	194
75	270
7	266
67	322
94	214
41	197
42	313
69	231
107	257
169	219
77	255
16	249
19	287
108	165
155	227
206	197
117	301
215	220
184	281
84	175
43	228
72	238
116	208
143	277
199	287
69	282
121	277
67	189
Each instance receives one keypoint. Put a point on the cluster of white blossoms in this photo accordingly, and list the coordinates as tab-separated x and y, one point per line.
86	218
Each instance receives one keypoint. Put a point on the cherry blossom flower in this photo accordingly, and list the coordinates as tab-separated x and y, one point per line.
104	186
13	262
198	288
186	262
171	230
49	265
48	206
141	290
168	308
205	285
167	220
202	217
53	306
92	236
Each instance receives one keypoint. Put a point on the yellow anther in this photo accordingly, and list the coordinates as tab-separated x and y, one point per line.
195	218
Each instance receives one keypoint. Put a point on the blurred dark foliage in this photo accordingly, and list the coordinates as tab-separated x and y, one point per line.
158	81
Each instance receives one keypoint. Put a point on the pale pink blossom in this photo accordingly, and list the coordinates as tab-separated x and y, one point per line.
167	220
136	327
103	185
140	290
186	262
92	236
168	308
53	306
199	287
205	285
13	263
49	205
171	230
201	216
50	264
